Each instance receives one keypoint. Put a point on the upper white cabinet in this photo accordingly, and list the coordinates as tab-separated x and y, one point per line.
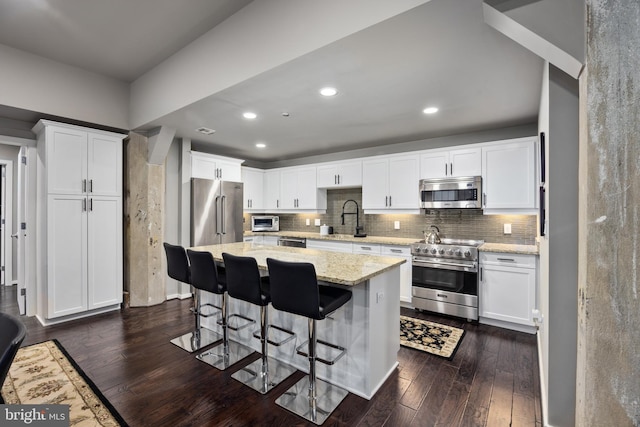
340	175
253	194
298	189
507	288
452	163
79	211
390	182
271	189
90	162
208	166
509	176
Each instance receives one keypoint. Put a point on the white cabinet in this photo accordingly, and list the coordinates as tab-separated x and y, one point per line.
365	248
330	245
507	288
405	269
390	182
509	176
80	217
269	240
452	163
298	190
272	190
208	166
340	175
258	240
253	191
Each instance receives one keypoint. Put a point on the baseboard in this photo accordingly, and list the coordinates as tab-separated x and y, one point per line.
55	321
508	325
179	296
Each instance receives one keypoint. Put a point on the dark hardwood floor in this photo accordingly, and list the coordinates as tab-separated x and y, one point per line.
491	381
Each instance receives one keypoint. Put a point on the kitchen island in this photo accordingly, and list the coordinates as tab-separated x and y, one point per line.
368	325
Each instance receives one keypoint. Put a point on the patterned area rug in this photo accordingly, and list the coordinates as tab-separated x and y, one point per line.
45	374
431	337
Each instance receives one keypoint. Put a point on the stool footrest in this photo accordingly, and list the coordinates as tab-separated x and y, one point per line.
290	335
343	350
218	310
249	322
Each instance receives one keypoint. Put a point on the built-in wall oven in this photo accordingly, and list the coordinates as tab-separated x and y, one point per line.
445	277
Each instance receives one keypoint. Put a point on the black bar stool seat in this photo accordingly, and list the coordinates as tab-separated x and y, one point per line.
205	276
295	289
245	283
178	268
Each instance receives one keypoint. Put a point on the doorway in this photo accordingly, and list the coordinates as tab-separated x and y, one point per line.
6	222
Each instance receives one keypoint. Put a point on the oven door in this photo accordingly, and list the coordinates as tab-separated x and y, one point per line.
452	277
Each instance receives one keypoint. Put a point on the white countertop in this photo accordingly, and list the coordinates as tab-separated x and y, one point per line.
334	267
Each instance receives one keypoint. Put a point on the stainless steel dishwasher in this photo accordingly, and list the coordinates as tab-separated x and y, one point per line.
292	242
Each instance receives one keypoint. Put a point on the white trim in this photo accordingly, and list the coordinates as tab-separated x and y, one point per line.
544	398
508	325
13	140
55	321
8	243
179	296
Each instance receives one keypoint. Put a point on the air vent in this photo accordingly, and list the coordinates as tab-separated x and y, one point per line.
206	131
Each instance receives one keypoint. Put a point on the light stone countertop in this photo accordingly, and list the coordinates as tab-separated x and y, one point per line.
509	248
400	241
334	267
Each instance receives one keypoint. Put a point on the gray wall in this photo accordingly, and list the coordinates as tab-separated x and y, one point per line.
562	188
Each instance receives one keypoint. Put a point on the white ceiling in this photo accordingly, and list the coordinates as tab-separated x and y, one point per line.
441	53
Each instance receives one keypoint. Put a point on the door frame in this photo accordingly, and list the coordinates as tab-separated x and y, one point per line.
8	196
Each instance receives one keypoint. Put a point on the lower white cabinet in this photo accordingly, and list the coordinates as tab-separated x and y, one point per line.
253	239
332	246
508	287
405	269
266	240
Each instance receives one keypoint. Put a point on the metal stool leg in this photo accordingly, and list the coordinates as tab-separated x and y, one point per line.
266	372
230	352
311	398
200	337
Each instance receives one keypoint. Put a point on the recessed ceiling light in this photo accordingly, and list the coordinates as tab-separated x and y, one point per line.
328	91
249	115
261	145
205	130
430	110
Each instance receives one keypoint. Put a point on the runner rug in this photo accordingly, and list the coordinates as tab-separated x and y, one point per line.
431	337
45	374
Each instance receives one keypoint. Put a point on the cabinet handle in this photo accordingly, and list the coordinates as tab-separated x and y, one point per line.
396	251
484	199
441	295
84	205
277	203
84	185
91	205
335	179
389	201
446	172
386	201
507	259
90	186
338	179
481	274
451	168
365	248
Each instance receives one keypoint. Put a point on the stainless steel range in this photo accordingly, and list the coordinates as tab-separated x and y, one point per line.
445	277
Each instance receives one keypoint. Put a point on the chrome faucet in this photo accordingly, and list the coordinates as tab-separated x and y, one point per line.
359	228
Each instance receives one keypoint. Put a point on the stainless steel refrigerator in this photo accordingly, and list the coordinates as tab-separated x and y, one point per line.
216	212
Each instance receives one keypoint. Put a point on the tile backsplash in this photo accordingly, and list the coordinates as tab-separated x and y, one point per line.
454	223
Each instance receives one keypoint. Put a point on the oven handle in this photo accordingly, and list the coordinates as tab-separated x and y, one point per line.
446	266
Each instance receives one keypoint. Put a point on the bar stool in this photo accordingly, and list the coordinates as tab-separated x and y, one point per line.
204	274
178	269
244	283
295	289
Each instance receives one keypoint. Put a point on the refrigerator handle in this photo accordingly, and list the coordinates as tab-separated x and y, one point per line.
222	218
215	204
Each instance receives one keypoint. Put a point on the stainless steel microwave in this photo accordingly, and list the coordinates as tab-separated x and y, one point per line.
451	193
265	223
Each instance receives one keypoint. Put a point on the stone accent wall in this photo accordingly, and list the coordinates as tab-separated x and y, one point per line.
144	265
455	223
608	371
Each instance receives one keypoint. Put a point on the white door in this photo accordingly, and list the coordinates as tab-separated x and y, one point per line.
3	231
104	167
307	189
434	165
403	182
21	251
466	162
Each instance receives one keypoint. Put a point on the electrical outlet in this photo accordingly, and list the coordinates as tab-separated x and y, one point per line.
317	222
396	225
507	228
308	221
